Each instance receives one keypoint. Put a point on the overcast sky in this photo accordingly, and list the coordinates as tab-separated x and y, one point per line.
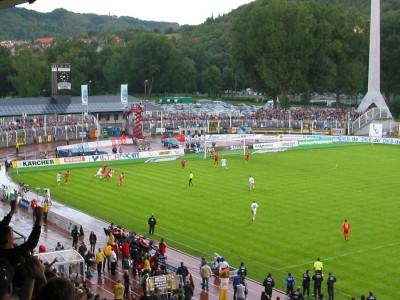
193	12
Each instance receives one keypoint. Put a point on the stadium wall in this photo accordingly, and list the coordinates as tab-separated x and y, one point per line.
257	142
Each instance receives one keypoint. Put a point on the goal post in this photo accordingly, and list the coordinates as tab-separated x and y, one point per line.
236	145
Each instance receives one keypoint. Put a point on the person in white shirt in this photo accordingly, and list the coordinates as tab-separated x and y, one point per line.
251	183
99	172
58	178
254	207
223	264
113	261
223	163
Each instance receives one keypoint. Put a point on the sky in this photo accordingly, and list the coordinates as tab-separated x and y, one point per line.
192	12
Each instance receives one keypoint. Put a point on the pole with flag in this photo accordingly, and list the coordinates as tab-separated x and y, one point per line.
124	94
85	101
84	94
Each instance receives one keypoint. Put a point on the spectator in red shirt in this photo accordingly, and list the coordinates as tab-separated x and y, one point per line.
162	247
125	249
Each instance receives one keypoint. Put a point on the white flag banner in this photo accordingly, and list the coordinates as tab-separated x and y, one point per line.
124	93
84	93
375	130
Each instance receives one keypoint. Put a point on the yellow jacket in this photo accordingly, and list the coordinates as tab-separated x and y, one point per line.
45	207
107	250
111	239
118	291
100	257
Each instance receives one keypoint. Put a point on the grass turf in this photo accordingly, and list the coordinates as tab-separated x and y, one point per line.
303	197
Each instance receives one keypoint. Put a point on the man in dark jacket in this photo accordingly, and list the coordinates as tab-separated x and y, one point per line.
152	224
183	271
317	278
75	237
188	290
269	284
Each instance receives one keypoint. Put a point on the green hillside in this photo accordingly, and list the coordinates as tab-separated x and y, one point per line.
24	24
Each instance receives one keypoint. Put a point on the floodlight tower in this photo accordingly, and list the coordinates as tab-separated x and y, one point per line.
374	96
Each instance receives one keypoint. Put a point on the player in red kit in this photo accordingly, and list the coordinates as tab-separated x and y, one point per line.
121	178
216	159
66	176
183	164
109	174
346	229
105	168
247	156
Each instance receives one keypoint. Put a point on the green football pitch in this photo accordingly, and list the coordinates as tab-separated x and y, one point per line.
303	197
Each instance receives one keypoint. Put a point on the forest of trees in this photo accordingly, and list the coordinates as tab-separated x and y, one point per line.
277	47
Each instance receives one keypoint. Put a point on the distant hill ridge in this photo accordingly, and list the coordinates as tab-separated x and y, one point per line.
25	24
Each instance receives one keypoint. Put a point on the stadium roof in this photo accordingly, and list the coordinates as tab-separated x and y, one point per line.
67	105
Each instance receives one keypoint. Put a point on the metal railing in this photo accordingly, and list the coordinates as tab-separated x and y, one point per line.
369	116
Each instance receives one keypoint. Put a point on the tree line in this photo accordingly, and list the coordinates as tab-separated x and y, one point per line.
277	47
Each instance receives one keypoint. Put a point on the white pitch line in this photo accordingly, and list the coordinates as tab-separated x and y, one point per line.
342	255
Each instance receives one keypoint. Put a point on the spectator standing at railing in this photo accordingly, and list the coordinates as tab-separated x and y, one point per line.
107	251
241	291
235	283
34	206
100	257
127	284
111	238
113	261
89	258
46	207
205	273
92	241
183	271
75	237
162	247
59	247
188	289
118	291
82	249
